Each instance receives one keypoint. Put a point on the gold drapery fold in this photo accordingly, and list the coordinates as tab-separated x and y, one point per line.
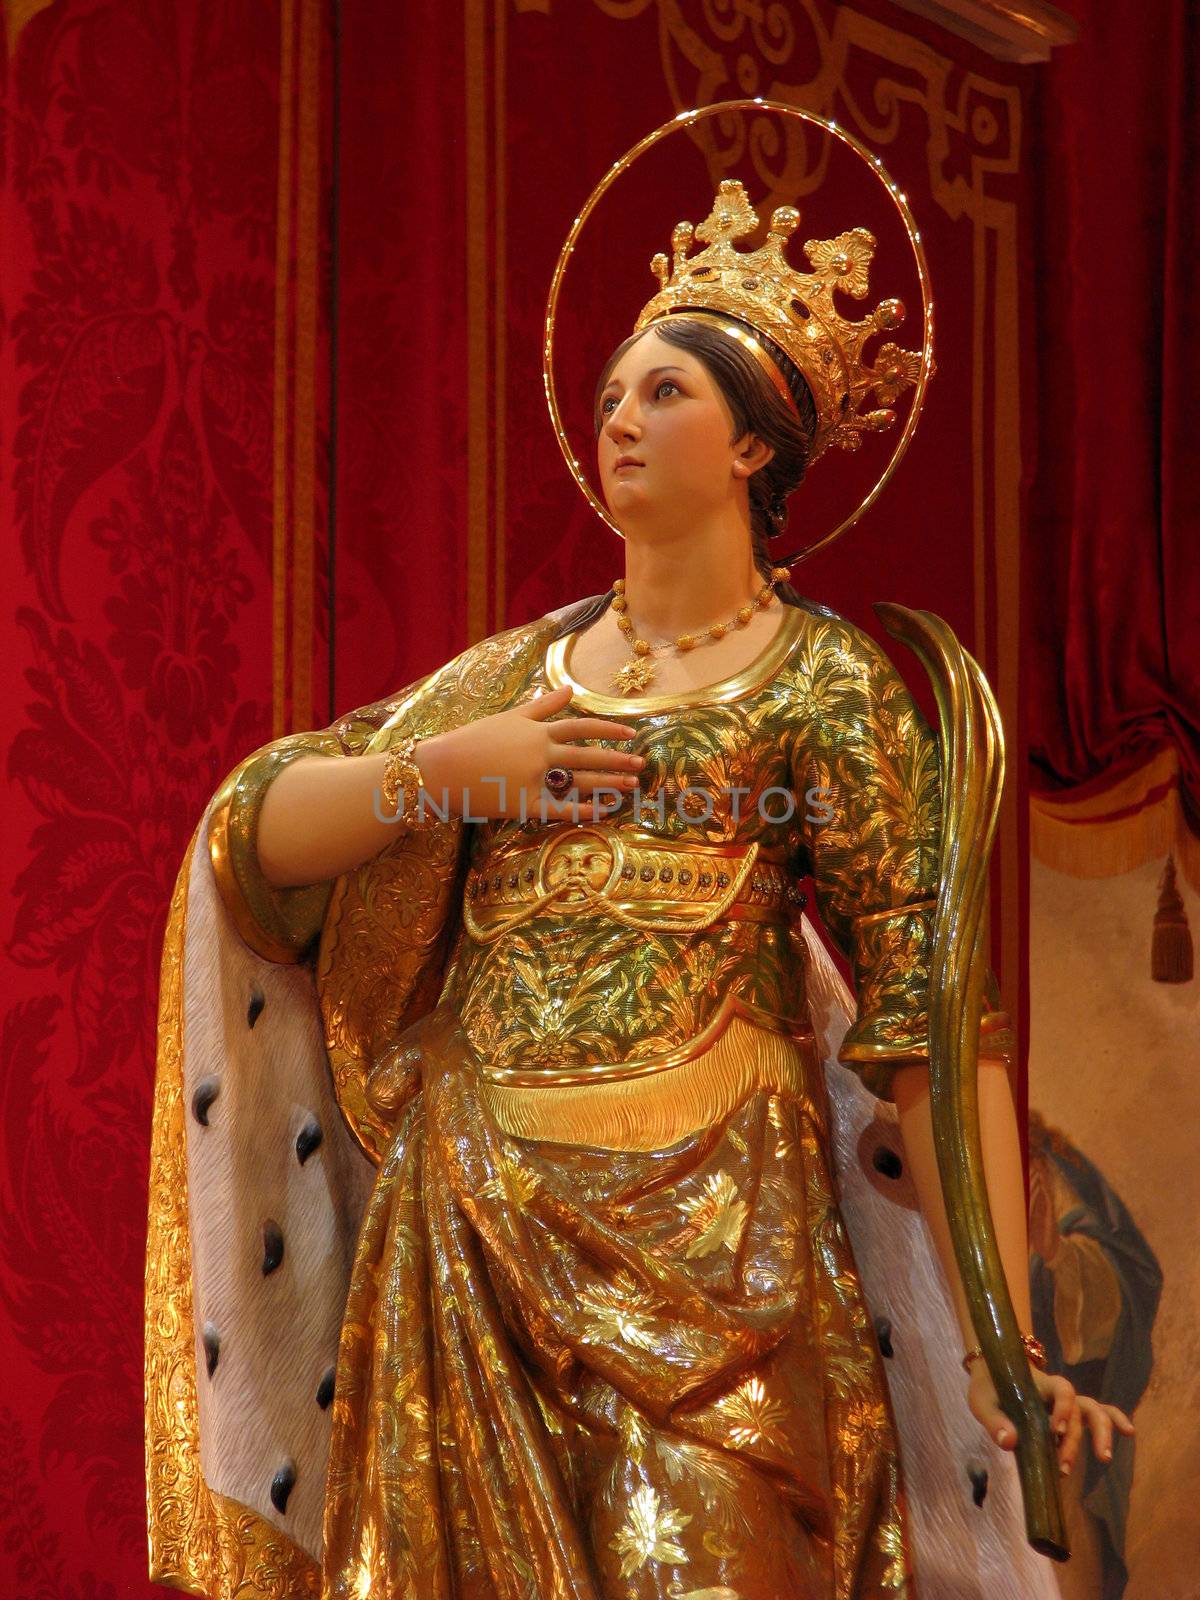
658	1108
585	1373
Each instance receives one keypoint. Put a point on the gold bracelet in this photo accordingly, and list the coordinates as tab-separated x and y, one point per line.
403	784
1034	1349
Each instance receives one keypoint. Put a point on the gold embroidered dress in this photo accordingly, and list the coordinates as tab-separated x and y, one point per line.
604	1336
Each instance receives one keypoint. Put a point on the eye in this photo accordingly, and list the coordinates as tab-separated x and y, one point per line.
666	383
604	404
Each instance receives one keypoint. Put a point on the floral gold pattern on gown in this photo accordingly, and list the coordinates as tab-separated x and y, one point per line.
567	1372
628	1357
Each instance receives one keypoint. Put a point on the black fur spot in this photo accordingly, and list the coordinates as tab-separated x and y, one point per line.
257	1001
308	1139
207	1091
282	1485
272	1245
325	1388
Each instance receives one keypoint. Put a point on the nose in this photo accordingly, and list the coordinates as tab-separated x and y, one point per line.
621	425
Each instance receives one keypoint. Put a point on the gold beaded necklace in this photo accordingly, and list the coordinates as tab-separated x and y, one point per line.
638	673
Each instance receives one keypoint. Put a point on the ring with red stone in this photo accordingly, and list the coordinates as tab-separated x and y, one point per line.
559	781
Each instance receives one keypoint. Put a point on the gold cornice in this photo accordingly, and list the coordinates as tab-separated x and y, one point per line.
1024	31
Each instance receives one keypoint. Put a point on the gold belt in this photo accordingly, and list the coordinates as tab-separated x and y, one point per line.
637	880
652	1104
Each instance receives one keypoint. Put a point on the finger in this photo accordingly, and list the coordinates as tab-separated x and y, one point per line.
1099	1421
1121	1420
1070	1444
1064	1404
545	705
589	786
609	790
1001	1429
593	781
994	1420
592	728
579	756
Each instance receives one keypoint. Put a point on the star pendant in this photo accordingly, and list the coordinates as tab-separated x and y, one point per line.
635	675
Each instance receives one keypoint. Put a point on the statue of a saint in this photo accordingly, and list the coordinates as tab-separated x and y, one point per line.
497	1244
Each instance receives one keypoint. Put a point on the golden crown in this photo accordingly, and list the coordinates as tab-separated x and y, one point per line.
792	310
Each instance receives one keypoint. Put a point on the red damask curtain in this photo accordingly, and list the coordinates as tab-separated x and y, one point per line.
272	442
1114	507
163	416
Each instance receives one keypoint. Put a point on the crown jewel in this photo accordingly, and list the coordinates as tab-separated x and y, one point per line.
792	310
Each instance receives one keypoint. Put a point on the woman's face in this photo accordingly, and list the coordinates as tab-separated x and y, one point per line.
663	411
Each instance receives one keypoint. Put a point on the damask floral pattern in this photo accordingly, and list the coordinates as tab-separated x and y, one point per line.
140	176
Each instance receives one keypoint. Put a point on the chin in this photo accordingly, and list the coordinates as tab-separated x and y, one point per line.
631	493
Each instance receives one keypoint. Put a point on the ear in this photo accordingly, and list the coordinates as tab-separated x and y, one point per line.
750	453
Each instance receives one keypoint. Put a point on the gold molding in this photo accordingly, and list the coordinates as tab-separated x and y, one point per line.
500	319
1025	31
475	93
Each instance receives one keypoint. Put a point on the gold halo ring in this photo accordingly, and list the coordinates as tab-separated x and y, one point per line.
899	200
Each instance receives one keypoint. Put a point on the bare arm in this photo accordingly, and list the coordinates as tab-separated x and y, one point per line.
323	815
343	793
1006	1196
1002	1166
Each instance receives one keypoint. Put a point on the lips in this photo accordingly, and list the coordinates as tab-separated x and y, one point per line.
627	461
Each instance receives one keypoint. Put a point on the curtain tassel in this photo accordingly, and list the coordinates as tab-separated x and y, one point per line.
1171	955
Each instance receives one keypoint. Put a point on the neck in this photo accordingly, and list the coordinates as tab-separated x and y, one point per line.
681	582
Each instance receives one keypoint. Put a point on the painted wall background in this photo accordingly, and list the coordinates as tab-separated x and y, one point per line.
1112	1067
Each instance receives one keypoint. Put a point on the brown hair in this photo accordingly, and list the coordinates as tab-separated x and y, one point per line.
757	408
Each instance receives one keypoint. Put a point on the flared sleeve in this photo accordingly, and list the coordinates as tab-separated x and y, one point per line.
282	924
868	767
